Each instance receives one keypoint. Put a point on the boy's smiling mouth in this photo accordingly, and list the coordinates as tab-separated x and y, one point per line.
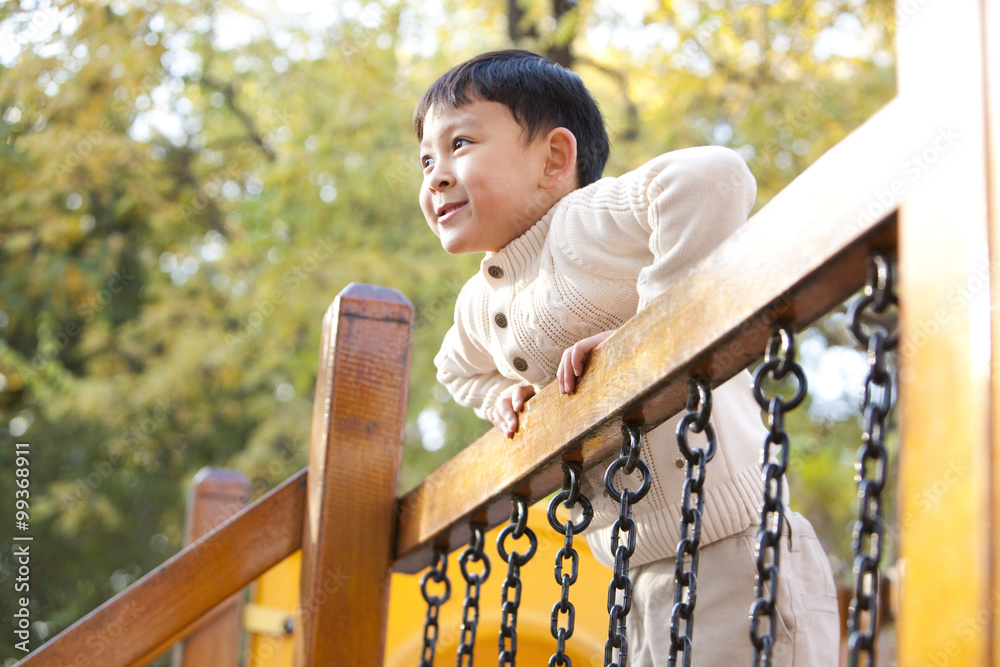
444	212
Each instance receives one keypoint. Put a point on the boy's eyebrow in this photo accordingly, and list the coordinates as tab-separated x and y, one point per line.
455	121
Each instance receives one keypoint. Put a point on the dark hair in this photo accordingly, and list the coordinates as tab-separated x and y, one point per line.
540	94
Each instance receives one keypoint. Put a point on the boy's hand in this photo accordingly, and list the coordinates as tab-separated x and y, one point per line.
504	413
571	364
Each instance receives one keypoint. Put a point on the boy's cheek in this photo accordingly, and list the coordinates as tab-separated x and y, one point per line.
434	230
425	208
431	226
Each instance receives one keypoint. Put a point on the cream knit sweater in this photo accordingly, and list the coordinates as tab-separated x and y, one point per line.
597	257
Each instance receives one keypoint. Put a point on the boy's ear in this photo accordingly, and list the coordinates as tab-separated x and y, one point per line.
560	159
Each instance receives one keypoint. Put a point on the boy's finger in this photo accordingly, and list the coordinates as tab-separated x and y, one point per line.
567	372
569	376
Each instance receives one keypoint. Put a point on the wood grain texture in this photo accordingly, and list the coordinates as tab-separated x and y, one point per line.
800	256
356	450
991	41
946	450
216	495
161	608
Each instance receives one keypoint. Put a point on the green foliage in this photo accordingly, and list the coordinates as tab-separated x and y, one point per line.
185	187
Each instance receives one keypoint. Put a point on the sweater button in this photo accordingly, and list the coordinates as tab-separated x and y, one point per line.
520	364
495	271
501	320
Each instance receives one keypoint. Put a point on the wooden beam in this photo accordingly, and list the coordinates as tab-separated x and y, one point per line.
945	269
358	419
216	495
150	615
801	255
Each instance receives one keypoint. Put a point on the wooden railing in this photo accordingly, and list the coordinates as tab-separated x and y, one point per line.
798	257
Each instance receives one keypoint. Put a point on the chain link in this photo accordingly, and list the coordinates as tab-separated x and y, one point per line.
517	528
438	574
569	497
872	461
696	420
779	362
620	582
473	586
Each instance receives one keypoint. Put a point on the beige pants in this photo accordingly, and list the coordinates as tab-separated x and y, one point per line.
809	626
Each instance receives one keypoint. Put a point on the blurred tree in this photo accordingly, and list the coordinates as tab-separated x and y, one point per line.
186	185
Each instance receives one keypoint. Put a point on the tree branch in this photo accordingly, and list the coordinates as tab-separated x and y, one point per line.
230	96
631	110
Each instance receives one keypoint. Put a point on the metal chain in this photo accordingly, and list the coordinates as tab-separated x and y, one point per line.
473	586
872	461
517	528
570	496
696	420
438	574
779	362
628	461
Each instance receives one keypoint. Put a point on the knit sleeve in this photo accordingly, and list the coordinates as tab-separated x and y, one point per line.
464	365
690	201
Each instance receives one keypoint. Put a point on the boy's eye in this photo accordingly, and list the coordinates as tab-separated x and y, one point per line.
426	161
461	141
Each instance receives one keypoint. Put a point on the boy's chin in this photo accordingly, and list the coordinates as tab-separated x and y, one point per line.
456	247
462	252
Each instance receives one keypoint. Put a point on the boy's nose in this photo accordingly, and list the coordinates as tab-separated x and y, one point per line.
440	178
440	184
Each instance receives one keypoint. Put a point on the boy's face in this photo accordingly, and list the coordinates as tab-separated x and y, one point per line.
481	187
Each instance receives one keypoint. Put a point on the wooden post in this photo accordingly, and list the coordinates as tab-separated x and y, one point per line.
217	495
949	599
167	604
991	43
356	450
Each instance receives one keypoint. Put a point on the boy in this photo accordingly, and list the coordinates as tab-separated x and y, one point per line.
512	148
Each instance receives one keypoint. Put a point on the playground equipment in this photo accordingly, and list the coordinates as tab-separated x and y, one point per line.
919	180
